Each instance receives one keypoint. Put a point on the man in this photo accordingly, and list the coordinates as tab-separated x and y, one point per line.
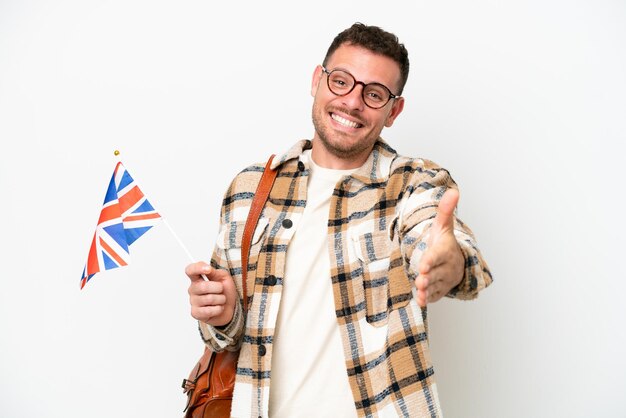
352	245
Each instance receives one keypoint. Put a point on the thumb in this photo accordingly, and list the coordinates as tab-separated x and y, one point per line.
445	211
219	275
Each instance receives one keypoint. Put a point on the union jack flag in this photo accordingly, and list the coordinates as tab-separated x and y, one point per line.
126	215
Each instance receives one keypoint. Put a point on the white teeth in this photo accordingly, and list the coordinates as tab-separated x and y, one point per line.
344	122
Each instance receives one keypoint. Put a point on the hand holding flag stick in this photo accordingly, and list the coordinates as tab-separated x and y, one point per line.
125	216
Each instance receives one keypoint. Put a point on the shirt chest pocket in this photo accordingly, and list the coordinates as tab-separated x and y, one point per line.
229	241
385	284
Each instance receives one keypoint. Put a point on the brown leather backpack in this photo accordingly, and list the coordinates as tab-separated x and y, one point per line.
210	385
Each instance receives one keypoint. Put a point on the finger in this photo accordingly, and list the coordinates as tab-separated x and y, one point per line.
218	275
422	298
434	292
426	262
442	279
445	210
202	287
207	312
207	300
434	256
438	255
421	282
195	270
444	250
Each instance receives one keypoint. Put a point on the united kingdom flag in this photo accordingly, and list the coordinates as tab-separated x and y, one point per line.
126	215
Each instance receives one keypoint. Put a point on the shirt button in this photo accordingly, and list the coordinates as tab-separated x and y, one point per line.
300	166
271	280
262	350
287	223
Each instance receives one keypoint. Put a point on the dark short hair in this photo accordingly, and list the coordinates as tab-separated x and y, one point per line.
376	40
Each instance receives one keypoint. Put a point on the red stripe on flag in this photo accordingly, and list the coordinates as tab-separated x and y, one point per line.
112	253
92	260
129	199
110	212
141	217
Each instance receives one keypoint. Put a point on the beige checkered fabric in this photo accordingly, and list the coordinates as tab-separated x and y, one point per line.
377	228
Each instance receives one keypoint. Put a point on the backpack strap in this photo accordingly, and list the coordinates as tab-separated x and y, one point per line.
258	202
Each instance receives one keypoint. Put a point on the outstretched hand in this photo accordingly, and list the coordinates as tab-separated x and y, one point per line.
442	264
212	301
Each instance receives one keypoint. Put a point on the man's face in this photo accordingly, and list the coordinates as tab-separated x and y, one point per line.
345	127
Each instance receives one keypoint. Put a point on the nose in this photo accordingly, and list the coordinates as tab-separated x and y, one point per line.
354	99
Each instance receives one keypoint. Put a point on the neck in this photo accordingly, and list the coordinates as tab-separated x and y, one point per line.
326	159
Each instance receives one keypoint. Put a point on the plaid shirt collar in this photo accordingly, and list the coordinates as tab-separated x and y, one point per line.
376	168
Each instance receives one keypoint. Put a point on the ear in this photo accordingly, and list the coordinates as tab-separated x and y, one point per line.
315	81
396	109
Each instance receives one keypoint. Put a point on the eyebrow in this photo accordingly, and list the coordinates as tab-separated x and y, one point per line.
350	72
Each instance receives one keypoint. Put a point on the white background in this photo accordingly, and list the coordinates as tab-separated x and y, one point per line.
524	102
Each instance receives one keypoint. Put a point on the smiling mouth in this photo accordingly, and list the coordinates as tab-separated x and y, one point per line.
345	122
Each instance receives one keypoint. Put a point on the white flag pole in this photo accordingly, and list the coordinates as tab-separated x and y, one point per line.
181	244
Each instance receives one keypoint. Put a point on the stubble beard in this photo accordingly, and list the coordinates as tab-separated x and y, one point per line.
332	140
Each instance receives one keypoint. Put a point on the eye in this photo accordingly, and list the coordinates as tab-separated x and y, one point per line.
340	80
374	96
376	93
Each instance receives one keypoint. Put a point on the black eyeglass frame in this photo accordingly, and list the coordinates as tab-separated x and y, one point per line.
328	73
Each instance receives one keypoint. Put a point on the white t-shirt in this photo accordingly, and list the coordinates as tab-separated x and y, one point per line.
309	376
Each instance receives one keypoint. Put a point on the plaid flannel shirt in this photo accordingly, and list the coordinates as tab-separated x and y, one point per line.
377	229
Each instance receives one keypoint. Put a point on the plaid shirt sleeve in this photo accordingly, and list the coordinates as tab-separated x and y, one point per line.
419	208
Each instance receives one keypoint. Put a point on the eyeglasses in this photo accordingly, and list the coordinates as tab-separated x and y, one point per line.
341	83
